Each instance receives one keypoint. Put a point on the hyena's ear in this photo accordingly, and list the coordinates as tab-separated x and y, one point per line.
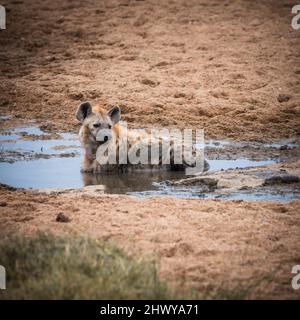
84	110
115	114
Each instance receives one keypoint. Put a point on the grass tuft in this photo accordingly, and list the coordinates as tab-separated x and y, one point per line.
63	267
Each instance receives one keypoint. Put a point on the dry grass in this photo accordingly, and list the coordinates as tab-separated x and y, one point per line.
49	267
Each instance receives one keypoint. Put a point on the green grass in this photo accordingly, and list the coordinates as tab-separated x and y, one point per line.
63	267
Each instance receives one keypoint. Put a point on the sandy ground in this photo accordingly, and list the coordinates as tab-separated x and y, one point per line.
215	65
220	65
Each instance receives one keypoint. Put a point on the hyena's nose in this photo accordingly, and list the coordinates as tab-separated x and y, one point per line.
103	135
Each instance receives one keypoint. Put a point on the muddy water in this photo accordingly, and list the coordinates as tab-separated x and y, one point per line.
32	158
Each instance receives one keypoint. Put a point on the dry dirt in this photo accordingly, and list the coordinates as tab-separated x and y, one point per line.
220	65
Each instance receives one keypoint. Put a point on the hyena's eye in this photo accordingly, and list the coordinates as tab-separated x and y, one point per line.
97	125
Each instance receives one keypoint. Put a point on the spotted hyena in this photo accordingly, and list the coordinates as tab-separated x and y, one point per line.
101	128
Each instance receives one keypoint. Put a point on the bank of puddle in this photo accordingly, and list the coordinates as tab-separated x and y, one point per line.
33	159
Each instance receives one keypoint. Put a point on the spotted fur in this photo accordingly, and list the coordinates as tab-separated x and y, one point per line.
95	118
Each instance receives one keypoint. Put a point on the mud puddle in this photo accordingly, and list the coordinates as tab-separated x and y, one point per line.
262	193
32	158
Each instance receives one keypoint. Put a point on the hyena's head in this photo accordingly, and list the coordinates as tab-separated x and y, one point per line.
98	122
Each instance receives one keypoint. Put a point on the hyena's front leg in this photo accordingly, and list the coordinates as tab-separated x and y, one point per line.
88	163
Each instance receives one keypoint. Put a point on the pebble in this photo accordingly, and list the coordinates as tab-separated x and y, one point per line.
283	97
61	217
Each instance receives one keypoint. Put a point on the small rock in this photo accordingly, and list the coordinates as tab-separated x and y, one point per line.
3	204
149	82
61	217
284	147
283	97
277	179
